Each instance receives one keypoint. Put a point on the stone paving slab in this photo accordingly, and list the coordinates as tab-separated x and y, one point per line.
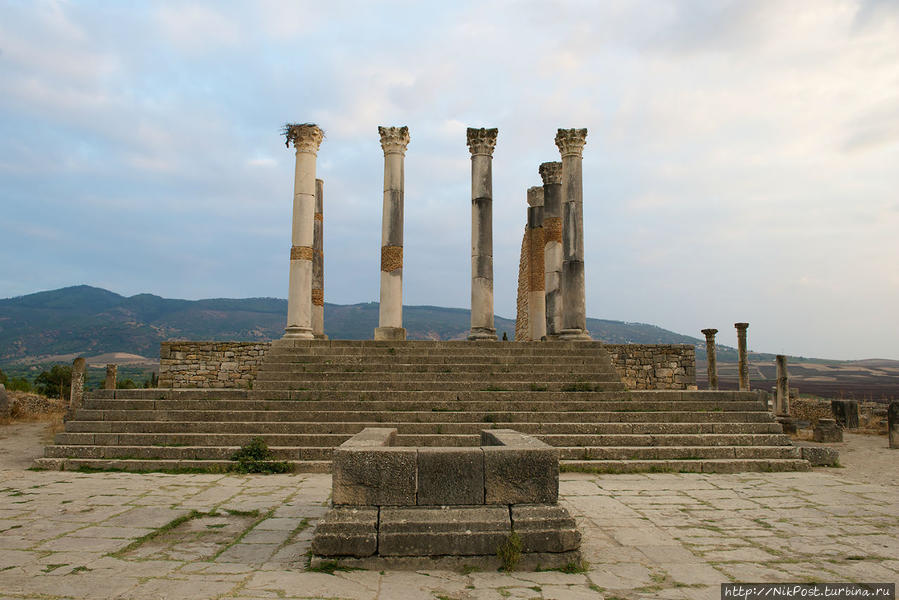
644	535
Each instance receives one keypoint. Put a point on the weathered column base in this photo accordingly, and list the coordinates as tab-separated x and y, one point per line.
298	333
390	334
575	335
482	334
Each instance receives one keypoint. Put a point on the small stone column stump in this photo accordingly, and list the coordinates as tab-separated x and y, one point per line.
828	431
711	357
76	394
111	376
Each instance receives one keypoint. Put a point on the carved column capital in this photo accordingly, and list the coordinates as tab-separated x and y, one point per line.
306	137
535	196
394	139
709	333
481	141
551	172
571	141
741	326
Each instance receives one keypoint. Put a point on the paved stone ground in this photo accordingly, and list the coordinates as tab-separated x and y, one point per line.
70	535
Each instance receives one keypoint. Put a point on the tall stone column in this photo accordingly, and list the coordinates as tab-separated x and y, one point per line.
481	143
551	172
318	265
390	322
76	395
574	312
306	139
536	274
743	364
782	399
711	357
112	372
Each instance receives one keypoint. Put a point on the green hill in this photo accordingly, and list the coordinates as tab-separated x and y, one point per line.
89	321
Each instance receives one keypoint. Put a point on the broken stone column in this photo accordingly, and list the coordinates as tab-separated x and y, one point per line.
574	312
76	395
306	139
551	172
536	275
318	265
743	360
782	400
481	143
845	412
711	354
893	424
5	408
111	374
390	321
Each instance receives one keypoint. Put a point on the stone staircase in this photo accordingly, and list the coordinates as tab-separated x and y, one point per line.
309	397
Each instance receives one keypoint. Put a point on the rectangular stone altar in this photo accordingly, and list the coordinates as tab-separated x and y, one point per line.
394	502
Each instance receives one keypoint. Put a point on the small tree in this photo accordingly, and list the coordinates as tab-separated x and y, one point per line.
57	382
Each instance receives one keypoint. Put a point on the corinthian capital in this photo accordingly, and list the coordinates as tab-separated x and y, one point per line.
306	137
481	141
394	139
571	141
551	172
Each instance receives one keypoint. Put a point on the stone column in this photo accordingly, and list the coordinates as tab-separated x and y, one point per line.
536	274
481	143
76	395
712	357
318	265
111	375
743	364
574	312
782	400
551	172
306	139
893	423
390	322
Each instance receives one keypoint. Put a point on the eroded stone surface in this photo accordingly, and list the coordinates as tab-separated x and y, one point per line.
644	535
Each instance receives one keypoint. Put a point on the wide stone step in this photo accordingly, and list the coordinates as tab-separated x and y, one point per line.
725	465
488	384
258	428
564	405
160	452
426	416
403	368
678	452
165	466
438	439
200	394
493	374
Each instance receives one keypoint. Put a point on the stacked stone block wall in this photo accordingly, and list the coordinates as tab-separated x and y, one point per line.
210	364
655	366
522	318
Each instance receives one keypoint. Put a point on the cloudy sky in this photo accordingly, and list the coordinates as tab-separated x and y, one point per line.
742	162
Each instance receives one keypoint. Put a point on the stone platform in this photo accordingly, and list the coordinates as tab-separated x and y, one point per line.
392	501
310	397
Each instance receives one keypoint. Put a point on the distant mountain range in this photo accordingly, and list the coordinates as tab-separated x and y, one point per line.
88	321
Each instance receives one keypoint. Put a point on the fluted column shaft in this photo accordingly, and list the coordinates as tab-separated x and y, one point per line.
394	141
551	172
481	143
536	275
574	313
782	399
318	265
711	357
743	357
306	139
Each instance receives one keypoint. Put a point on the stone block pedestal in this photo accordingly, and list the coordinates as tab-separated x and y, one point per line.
390	334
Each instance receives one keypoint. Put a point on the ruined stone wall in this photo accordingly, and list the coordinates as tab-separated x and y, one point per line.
655	366
209	364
